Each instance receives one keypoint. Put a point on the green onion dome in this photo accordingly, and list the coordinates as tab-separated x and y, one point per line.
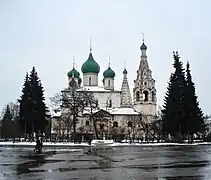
109	73
74	73
90	66
143	47
125	71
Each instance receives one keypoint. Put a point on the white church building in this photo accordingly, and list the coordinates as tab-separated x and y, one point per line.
120	113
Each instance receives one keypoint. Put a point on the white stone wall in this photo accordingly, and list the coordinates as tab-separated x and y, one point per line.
124	119
87	77
103	97
146	108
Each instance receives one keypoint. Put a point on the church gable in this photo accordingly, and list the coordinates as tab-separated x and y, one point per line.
102	113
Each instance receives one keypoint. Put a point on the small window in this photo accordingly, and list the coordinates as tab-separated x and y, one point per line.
109	83
153	96
96	103
110	103
90	81
145	83
137	96
101	126
145	93
115	124
87	123
129	124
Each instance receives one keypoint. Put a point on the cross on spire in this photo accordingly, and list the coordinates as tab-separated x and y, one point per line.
124	64
90	44
143	37
109	61
73	61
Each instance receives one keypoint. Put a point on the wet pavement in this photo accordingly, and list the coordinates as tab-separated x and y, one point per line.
114	163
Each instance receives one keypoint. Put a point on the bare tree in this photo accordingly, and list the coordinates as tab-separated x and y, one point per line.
146	124
72	102
91	104
56	102
13	123
62	127
14	110
58	126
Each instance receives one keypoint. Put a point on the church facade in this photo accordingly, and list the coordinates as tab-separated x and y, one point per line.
114	110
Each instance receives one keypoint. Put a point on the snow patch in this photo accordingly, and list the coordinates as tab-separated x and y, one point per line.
68	144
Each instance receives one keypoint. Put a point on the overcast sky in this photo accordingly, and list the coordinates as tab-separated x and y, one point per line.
48	33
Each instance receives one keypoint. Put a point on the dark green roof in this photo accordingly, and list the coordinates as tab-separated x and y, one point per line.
90	65
74	73
143	46
109	73
125	71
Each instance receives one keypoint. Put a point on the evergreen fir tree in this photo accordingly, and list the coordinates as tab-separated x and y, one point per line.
39	110
33	111
7	114
173	113
25	112
194	115
7	123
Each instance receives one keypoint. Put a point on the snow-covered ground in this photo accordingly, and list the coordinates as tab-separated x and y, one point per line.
159	144
68	144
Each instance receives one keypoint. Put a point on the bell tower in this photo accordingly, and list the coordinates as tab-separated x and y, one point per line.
144	92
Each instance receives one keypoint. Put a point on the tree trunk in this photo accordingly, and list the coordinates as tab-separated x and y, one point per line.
95	128
74	122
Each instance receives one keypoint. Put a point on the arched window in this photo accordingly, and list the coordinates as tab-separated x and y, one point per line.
109	83
146	95
137	96
87	123
101	126
153	96
115	124
129	124
110	103
90	81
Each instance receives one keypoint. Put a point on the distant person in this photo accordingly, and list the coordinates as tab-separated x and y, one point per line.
38	147
41	143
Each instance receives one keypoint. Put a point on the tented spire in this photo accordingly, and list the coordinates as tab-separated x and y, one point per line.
126	100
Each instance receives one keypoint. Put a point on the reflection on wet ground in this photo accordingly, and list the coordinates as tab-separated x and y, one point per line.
125	163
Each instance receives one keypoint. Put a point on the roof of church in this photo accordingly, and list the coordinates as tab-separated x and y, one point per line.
90	66
112	111
123	111
143	46
115	111
73	72
126	100
125	71
96	89
109	73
